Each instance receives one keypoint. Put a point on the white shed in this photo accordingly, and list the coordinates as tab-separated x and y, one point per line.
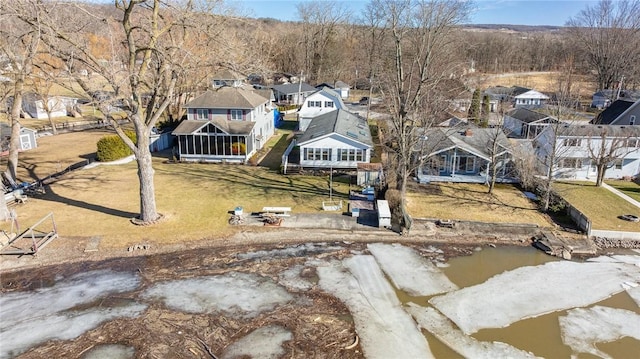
384	214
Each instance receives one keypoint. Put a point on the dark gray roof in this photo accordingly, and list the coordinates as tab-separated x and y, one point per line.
474	140
188	127
612	112
341	122
293	88
597	130
526	115
228	98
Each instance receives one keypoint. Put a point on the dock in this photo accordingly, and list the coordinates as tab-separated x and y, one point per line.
565	248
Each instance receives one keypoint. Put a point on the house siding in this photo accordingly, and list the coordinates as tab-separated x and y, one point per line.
334	143
633	113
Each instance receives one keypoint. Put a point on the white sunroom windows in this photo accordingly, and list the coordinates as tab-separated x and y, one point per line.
317	154
351	155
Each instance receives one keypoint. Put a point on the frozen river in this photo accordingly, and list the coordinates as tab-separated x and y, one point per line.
404	302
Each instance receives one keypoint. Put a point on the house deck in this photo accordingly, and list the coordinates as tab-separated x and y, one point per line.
456	178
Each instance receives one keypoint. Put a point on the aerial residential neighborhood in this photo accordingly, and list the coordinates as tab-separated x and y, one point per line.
319	179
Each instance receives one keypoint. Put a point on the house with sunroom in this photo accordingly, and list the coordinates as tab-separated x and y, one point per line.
526	123
464	155
578	145
337	139
320	102
228	124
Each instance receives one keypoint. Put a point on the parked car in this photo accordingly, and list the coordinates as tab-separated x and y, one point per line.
364	101
629	217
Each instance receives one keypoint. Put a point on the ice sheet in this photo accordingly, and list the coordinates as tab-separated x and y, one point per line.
234	293
583	328
469	347
409	271
385	329
262	343
532	291
31	318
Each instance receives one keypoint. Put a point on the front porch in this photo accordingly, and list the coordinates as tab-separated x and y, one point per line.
462	178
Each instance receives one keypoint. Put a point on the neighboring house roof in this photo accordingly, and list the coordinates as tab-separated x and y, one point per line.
341	85
611	113
499	91
330	93
341	122
624	94
476	141
532	94
226	74
293	88
525	115
452	121
188	127
596	131
517	90
228	98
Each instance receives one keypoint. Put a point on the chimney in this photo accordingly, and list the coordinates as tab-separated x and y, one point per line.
468	132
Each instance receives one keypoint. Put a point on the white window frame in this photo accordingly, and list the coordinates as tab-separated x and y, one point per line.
328	104
202	114
236	115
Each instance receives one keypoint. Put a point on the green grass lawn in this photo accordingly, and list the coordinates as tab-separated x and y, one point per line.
465	201
629	188
599	204
195	198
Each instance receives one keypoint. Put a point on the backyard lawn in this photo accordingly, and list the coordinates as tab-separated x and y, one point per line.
195	198
599	204
629	188
463	201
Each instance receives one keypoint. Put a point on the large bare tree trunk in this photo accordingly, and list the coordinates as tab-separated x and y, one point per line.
14	144
148	211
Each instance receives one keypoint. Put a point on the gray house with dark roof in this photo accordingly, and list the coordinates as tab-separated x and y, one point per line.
338	139
454	155
292	94
526	123
620	112
229	124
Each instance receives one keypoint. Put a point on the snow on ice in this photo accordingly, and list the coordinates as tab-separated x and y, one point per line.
468	347
409	271
583	328
262	343
30	318
238	293
546	288
385	329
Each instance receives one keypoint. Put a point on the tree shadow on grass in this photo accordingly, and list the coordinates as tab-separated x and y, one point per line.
51	195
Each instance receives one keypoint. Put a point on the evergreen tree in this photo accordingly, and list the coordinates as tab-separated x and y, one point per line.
486	109
474	110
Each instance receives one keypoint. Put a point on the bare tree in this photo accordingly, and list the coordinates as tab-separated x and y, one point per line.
417	58
149	45
607	146
19	44
50	103
320	20
608	33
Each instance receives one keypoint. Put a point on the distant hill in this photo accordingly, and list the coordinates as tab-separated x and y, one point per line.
514	28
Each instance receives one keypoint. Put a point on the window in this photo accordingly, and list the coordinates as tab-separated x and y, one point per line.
236	115
317	154
202	114
351	154
328	104
617	164
632	142
443	163
632	120
311	104
573	142
571	163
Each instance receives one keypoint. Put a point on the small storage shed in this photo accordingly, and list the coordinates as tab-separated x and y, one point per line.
384	214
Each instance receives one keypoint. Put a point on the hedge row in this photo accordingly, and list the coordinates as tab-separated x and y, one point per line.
111	148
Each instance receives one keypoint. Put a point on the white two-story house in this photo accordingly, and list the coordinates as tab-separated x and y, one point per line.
579	146
318	103
228	124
